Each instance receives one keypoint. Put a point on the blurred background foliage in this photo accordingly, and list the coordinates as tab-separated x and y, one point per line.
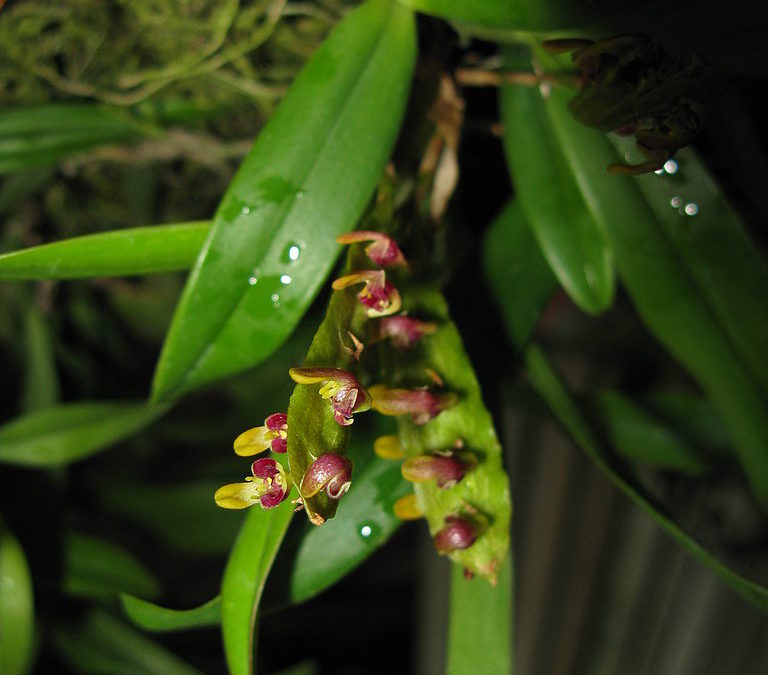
153	105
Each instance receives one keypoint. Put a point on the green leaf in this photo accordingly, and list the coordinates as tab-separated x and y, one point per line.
546	382
480	629
517	272
141	250
485	487
70	432
94	568
17	609
636	434
36	135
306	180
150	616
41	382
675	299
244	577
364	521
103	645
559	217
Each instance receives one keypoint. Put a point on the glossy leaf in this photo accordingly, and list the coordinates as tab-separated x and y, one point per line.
94	568
720	257
546	382
37	135
485	486
141	250
17	609
244	577
517	272
635	434
480	624
41	382
70	432
306	180
567	231
103	645
675	301
152	617
364	521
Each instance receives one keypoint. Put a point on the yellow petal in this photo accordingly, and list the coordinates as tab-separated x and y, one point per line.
407	508
237	495
254	441
388	447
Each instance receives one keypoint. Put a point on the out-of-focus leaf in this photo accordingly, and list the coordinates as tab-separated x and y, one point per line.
141	250
363	523
517	272
716	251
103	645
635	434
41	383
480	628
244	577
567	231
150	616
675	299
69	432
36	135
302	668
306	180
94	568
546	382
18	187
182	515
17	609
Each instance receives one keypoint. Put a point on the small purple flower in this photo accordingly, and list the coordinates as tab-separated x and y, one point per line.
446	469
378	295
272	435
422	404
330	471
383	252
268	486
346	394
403	331
456	535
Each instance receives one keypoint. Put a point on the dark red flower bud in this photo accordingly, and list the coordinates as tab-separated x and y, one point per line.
456	535
330	471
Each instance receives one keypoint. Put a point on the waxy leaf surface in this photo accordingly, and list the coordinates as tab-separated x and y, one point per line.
17	609
306	180
152	617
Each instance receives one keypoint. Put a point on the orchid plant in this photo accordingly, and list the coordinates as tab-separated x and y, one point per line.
380	418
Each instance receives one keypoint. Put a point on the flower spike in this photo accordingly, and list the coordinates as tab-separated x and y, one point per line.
383	252
422	404
346	394
272	435
379	296
403	331
268	486
330	471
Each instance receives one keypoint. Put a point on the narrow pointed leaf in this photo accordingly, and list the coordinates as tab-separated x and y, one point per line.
674	297
247	568
517	272
41	382
141	250
306	180
567	231
16	607
152	617
548	385
480	624
70	432
94	568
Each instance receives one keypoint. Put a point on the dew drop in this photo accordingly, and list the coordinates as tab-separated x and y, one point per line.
245	210
671	166
294	252
691	209
253	281
285	280
366	530
300	194
676	202
275	297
